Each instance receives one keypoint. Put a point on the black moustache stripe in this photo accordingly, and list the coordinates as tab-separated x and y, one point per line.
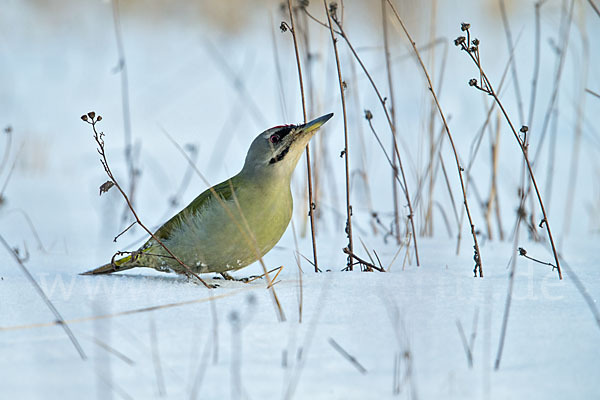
280	156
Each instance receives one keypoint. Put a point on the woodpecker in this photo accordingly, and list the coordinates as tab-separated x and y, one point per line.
252	213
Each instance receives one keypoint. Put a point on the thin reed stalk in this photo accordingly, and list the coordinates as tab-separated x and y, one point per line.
410	217
477	254
346	148
122	69
393	115
59	320
486	86
311	204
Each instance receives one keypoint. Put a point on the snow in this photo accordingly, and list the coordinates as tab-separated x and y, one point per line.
154	335
551	347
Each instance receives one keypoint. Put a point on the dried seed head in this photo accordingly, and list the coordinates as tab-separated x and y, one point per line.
84	117
475	42
460	40
283	27
465	26
368	115
99	118
522	251
473	82
332	8
524	129
91	114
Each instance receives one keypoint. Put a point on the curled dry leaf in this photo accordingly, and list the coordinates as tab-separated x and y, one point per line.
105	187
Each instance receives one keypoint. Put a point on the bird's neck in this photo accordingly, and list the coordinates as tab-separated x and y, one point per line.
267	178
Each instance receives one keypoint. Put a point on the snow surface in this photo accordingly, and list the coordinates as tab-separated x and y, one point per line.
551	349
400	326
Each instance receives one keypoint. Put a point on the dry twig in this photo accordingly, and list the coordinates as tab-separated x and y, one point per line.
477	254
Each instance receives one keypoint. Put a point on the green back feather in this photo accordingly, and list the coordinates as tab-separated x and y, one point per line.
224	191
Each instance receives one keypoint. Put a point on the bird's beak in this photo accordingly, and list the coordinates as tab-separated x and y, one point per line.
314	124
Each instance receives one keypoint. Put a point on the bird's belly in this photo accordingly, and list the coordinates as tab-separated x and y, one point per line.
214	242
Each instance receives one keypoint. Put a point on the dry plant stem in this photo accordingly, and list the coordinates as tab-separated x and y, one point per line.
246	98
300	272
522	146
523	253
160	381
445	173
311	205
564	39
201	371
573	169
277	62
317	153
210	299
392	128
99	140
393	114
592	93
475	146
122	69
511	47
428	226
248	236
551	156
10	171
511	281
31	227
367	264
493	187
590	301
124	230
465	343
431	170
495	159
8	132
384	151
59	319
345	152
108	349
186	179
477	256
295	374
355	96
536	63
347	356
595	7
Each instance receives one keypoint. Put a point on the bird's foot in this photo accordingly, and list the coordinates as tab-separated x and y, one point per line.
193	279
246	279
251	278
228	277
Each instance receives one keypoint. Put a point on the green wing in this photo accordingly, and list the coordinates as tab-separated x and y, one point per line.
224	191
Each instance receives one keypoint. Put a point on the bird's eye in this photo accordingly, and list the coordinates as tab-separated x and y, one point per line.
274	138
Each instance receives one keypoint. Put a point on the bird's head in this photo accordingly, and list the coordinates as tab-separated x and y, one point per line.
278	149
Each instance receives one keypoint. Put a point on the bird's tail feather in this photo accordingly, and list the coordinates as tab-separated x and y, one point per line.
119	265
